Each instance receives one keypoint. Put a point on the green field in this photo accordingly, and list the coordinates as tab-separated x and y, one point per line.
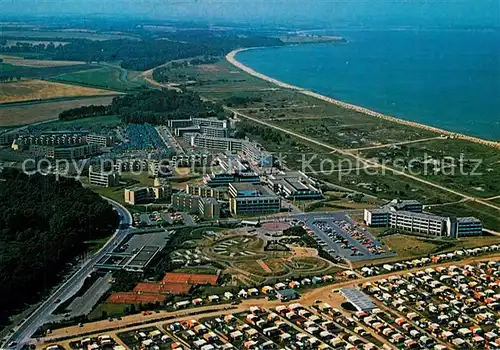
108	77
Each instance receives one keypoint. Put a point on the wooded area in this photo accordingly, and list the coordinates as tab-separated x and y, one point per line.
44	223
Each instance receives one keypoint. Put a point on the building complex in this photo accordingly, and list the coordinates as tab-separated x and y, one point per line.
409	216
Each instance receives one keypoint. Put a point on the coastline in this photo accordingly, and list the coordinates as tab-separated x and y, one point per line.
231	58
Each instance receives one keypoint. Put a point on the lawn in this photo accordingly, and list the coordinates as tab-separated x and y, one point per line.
107	310
35	90
408	246
32	112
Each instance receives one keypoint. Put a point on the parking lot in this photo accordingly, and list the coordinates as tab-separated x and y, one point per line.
338	235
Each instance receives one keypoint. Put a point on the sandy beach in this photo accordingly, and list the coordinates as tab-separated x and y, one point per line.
231	58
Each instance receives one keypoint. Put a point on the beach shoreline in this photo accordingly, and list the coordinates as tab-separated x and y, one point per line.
231	58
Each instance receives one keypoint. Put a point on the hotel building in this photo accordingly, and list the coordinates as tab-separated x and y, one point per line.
412	219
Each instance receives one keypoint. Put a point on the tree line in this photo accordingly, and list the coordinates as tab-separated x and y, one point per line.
44	223
84	112
146	53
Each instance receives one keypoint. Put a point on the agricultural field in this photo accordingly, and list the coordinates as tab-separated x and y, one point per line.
33	90
25	62
108	77
34	112
64	34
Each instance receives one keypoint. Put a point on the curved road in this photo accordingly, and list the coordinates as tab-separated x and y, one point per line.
68	288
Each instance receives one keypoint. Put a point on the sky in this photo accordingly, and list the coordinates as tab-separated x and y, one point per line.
484	13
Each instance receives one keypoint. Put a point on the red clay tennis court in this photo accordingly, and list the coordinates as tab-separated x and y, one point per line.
162	288
172	277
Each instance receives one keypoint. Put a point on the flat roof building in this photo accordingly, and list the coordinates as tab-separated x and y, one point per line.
294	185
418	222
103	178
222	144
185	202
219	193
252	199
100	140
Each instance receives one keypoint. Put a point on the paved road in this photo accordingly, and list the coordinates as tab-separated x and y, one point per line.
366	161
26	329
128	323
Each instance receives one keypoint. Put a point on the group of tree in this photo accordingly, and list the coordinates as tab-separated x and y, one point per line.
161	74
44	223
156	107
84	112
146	53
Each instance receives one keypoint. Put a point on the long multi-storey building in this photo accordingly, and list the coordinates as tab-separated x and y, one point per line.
224	179
411	218
221	144
252	199
206	126
418	222
255	153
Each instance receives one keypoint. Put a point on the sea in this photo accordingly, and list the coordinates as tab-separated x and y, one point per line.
447	78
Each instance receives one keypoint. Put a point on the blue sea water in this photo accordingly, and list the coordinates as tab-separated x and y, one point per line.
445	78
